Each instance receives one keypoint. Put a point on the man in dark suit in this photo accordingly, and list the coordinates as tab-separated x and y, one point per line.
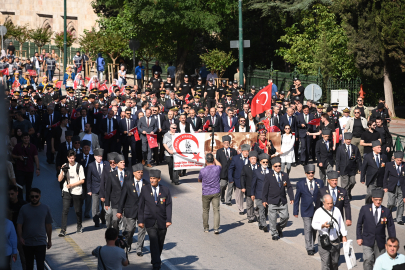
36	124
214	121
229	121
339	195
114	187
303	129
324	154
224	156
95	172
373	220
108	125
155	214
127	136
242	126
244	112
158	152
81	121
234	175
307	192
275	198
258	181
50	119
373	170
84	159
170	120
110	167
147	125
170	102
246	184
194	121
348	163
130	193
394	184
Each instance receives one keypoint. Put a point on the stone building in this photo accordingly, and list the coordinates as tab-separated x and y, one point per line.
49	14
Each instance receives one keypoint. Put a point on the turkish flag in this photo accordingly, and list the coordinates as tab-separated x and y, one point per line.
262	101
58	84
136	134
152	140
79	69
315	122
206	125
111	89
32	72
4	72
266	123
186	99
122	90
73	115
232	129
55	125
75	84
111	134
274	129
337	135
16	84
103	87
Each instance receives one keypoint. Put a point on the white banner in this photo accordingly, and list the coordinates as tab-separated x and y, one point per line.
188	151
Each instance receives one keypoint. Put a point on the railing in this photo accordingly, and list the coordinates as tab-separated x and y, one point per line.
398	142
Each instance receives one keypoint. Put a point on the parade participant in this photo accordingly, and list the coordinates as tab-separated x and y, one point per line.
95	171
329	222
185	87
77	61
105	177
380	112
258	182
348	163
147	125
224	155
386	138
287	154
210	178
246	184
394	184
194	121
357	125
168	145
128	206
72	175
69	76
210	93
307	191
371	224
230	121
368	136
275	198
373	169
303	130
155	214
264	145
63	148
168	85
324	155
234	175
108	125
343	120
84	159
127	138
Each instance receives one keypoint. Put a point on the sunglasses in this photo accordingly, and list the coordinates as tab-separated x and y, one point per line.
172	127
242	121
287	128
128	114
220	107
186	107
111	162
359	100
34	196
265	162
277	166
356	112
310	173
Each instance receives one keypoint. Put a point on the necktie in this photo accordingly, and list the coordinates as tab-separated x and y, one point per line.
85	160
376	216
230	121
194	121
50	119
399	173
110	126
311	188
348	151
334	196
99	169
155	195
377	161
278	180
32	119
128	125
121	178
226	153
137	188
289	120
327	146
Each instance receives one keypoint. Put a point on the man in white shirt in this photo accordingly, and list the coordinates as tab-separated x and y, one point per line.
72	189
328	220
89	136
212	76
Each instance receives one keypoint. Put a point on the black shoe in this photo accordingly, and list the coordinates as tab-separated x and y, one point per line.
177	183
97	224
265	229
261	227
400	222
62	233
310	252
103	221
79	229
139	254
229	204
275	237
180	175
86	216
279	230
222	200
251	221
241	213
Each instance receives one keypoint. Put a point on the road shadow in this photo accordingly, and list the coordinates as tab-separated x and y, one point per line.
184	262
293	233
226	227
169	246
358	197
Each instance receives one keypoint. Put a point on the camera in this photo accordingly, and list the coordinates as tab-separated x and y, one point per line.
330	223
65	169
121	242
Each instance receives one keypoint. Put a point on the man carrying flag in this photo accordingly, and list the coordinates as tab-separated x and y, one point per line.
126	125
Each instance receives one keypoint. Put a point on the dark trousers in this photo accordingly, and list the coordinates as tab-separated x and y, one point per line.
296	146
77	204
128	141
139	82
305	147
109	145
35	252
24	179
211	102
158	151
174	175
50	75
313	146
157	240
50	157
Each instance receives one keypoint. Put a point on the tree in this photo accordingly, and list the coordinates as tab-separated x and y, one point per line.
376	38
174	24
113	44
89	42
21	34
268	7
218	61
59	39
41	36
10	30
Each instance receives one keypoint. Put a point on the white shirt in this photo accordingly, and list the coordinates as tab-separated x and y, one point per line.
62	136
378	211
320	217
267	170
140	183
252	126
242	129
69	145
157	191
88	138
73	178
331	190
253	166
398	167
183	128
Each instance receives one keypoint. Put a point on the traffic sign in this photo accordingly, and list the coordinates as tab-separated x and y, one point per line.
3	30
235	44
313	91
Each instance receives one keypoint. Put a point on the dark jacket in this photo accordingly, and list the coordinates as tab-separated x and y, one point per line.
342	201
129	198
346	165
93	179
217	125
370	171
258	181
113	188
308	200
221	157
303	130
235	170
322	154
246	178
391	177
273	193
198	123
104	178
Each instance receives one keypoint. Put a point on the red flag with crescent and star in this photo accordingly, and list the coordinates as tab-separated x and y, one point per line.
136	133
152	140
315	122
5	72
206	125
262	101
111	134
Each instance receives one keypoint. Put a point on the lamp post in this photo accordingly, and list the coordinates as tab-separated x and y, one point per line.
240	44
64	37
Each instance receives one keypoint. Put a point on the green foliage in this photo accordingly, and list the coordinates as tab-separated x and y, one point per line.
10	29
89	43
41	36
58	39
218	61
318	42
113	44
268	7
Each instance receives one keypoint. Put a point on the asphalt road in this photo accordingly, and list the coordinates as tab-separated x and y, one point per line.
239	245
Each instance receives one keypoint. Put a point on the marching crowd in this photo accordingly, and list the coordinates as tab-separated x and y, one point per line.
99	140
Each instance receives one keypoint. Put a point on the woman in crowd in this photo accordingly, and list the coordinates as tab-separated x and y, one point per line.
287	149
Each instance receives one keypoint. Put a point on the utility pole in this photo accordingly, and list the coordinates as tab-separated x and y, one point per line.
64	38
240	44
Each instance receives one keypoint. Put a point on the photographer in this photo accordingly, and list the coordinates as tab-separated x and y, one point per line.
24	154
329	223
72	175
110	257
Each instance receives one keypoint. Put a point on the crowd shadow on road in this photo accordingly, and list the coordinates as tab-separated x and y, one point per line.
358	197
226	227
169	246
184	262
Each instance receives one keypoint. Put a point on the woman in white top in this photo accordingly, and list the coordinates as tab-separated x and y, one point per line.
287	149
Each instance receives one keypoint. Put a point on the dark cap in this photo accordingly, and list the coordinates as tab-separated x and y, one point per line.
226	138
76	139
98	152
253	153
112	155
199	79
329	109
380	105
253	87
309	168
275	160
326	131
85	142
137	167
186	76
375	143
154	173
377	193
332	175
398	154
245	147
68	133
156	73
119	158
264	156
348	135
210	80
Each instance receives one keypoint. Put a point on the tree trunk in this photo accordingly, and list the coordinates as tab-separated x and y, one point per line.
389	97
182	52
